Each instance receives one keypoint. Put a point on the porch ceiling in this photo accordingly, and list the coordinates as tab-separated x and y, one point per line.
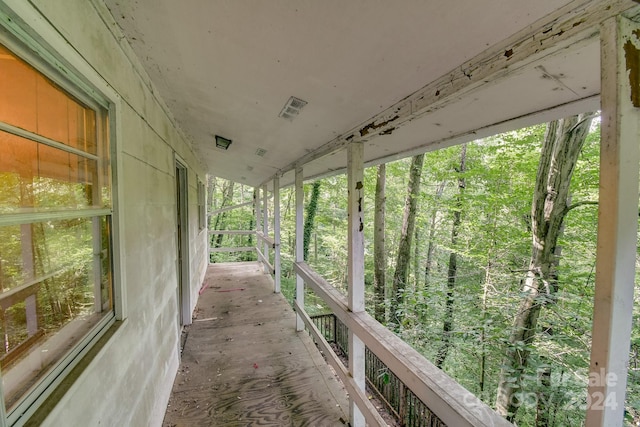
227	67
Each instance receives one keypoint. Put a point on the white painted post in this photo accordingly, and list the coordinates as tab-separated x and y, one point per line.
265	225
276	232
355	268
617	222
256	203
299	242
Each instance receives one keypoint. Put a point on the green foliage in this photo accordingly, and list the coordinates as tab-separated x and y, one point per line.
312	207
493	253
493	249
237	219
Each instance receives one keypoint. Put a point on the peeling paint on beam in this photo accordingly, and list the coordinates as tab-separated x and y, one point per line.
373	126
632	62
575	22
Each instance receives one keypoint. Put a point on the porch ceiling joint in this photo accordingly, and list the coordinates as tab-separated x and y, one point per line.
577	21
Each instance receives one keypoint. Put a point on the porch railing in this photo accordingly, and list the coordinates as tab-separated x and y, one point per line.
399	400
419	393
266	247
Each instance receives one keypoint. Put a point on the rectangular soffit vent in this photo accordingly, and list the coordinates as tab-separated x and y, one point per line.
292	108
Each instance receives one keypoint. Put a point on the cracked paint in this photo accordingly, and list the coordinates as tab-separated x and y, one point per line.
632	58
373	126
359	187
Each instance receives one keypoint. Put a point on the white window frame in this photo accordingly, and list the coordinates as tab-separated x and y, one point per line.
202	205
56	59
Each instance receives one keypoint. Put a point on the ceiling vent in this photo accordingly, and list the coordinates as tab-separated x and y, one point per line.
260	152
292	108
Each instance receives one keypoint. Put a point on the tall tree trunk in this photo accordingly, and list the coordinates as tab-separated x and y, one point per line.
488	284
483	327
211	187
227	199
379	252
560	150
250	256
312	208
211	190
543	406
416	256
447	324
432	234
404	247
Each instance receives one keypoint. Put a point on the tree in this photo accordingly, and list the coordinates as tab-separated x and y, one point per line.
447	325
561	147
380	254
432	233
406	234
312	207
227	199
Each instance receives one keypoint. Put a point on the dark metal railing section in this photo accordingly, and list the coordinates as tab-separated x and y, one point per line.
399	399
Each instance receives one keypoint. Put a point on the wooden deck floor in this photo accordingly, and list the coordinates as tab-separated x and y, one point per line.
243	364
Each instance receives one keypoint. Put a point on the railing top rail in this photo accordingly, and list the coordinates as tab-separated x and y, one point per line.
239	249
233	232
372	416
229	208
267	239
265	260
447	399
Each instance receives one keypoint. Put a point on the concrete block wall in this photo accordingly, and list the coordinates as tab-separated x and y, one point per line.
129	381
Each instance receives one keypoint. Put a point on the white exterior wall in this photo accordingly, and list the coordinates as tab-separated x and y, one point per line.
128	383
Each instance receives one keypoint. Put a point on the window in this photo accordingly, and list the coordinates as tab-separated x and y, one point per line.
202	210
56	286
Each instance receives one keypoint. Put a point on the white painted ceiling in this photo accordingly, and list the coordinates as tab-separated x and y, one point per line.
227	67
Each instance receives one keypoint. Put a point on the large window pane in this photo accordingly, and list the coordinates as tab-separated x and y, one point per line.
55	275
34	175
33	102
55	286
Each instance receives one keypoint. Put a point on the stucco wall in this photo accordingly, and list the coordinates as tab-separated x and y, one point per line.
129	381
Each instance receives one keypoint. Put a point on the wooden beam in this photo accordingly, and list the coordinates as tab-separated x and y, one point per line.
239	249
267	265
451	402
617	222
229	208
371	415
266	239
299	192
232	232
355	234
355	269
256	208
569	24
276	234
265	228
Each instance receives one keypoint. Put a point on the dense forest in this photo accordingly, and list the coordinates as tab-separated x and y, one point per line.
481	256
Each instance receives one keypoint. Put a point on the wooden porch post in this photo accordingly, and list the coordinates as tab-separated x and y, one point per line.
276	232
256	204
355	268
265	225
299	243
617	221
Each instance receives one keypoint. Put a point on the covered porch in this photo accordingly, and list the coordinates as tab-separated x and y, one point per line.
244	364
411	126
270	95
